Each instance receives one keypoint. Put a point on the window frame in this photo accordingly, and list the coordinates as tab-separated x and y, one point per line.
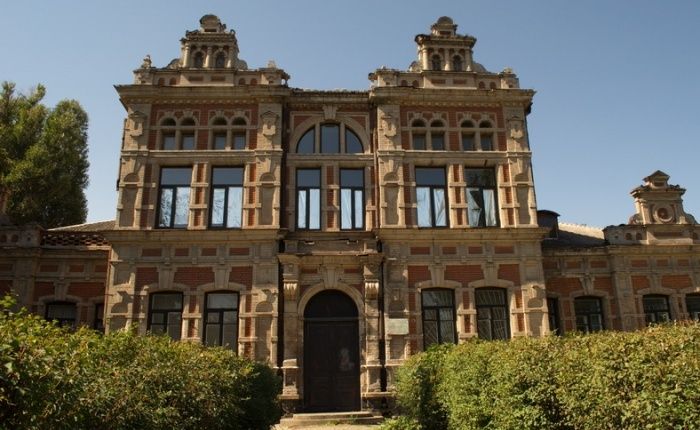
438	319
69	323
652	316
307	190
353	203
505	306
694	309
220	311
553	316
587	314
316	132
431	199
481	189
98	324
173	204
166	312
227	188
428	133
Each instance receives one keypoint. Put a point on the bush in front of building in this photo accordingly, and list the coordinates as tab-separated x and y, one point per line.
610	380
54	379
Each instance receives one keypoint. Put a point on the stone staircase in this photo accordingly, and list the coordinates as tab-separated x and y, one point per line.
333	420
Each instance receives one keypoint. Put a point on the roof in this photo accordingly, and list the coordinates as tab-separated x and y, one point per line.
87	227
576	236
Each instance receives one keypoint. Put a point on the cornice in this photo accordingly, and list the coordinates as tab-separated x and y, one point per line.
117	237
508	235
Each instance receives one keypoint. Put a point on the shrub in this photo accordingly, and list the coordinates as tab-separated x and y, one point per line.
611	380
54	379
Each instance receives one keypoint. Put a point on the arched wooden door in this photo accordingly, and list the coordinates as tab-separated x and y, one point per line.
331	353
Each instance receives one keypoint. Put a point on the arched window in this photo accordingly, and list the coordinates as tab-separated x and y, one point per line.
165	314
457	63
220	60
656	308
64	313
486	136
221	320
187	139
219	133
432	138
468	136
239	134
438	311
198	59
492	316
437	136
329	138
436	62
167	134
418	136
589	314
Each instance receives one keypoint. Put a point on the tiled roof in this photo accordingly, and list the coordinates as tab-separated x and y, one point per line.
576	236
91	226
88	234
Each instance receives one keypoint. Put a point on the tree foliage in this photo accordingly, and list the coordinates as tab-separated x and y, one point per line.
54	379
43	158
648	379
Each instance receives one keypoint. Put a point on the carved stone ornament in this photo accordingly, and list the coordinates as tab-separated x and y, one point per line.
329	112
371	289
135	124
146	62
389	126
291	290
269	124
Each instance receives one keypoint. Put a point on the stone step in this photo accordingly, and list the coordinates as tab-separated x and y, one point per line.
311	420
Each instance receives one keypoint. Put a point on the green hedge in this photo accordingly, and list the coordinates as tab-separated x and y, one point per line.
612	380
54	379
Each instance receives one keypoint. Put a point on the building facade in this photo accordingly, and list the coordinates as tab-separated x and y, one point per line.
333	234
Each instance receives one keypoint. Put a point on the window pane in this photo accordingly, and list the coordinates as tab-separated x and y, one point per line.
330	139
166	201
430	333
423	206
211	335
222	300
490	208
418	141
63	311
234	214
182	206
692	302
174	325
486	297
176	176
352	142
217	207
239	141
447	330
480	177
227	176
166	301
220	141
213	317
169	141
437	298
230	317
430	176
229	336
314	209
500	330
308	178
188	141
346	208
468	142
487	142
475	204
306	143
655	303
351	178
440	210
301	209
359	209
437	140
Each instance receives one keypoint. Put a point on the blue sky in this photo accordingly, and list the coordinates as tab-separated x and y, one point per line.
616	81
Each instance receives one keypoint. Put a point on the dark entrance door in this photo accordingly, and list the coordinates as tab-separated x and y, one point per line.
331	353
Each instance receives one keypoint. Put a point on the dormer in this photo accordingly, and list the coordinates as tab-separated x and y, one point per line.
445	60
658	202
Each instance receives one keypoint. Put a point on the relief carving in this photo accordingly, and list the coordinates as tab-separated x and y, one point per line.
329	112
269	124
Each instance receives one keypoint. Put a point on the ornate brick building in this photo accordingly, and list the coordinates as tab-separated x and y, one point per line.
335	233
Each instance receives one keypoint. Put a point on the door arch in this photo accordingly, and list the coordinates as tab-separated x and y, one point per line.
331	353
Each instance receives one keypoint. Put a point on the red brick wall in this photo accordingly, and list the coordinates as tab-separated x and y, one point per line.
194	276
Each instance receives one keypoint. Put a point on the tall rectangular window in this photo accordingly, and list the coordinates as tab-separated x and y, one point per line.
553	315
330	139
188	140
165	314
656	308
492	321
309	199
692	303
174	200
226	197
98	322
589	314
221	320
239	140
64	313
481	197
431	197
352	200
169	142
220	140
438	317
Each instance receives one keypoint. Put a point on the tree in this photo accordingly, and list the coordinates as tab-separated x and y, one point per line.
43	159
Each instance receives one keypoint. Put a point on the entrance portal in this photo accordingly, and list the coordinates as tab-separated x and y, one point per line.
331	353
